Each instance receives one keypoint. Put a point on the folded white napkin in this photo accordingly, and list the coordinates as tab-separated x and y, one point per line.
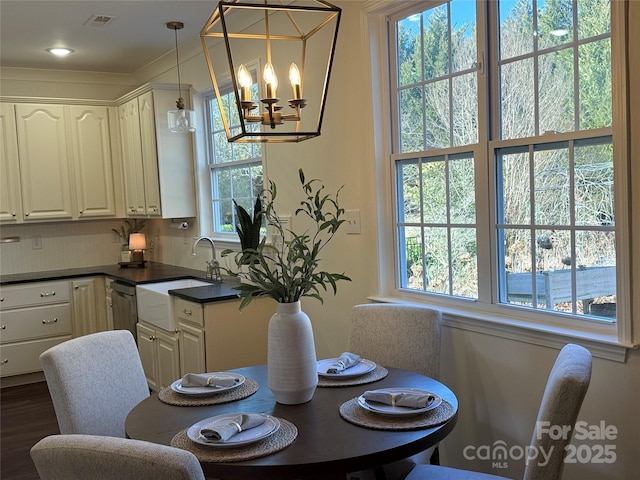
222	431
400	399
346	360
207	380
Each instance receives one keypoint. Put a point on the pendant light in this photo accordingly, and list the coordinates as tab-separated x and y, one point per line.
180	120
276	37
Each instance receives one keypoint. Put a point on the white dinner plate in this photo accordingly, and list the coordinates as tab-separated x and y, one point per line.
362	367
269	427
206	391
384	409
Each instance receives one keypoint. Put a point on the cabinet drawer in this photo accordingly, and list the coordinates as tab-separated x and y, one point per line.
34	294
36	322
24	357
189	312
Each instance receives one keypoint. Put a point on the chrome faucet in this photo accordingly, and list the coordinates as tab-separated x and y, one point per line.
213	266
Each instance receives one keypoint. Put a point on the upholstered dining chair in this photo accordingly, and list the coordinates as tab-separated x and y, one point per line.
401	336
566	387
84	457
95	380
397	335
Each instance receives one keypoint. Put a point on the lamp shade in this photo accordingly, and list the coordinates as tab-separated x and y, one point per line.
271	35
137	241
181	120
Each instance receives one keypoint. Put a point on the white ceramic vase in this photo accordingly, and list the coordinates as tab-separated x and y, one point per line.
292	370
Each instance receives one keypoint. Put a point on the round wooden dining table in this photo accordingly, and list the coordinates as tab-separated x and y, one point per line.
327	446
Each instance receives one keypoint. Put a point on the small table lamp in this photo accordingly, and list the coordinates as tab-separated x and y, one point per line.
137	243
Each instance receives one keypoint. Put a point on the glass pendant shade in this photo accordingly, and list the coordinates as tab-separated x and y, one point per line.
277	40
181	120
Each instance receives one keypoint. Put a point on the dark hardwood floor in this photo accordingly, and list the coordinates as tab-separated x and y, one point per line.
27	416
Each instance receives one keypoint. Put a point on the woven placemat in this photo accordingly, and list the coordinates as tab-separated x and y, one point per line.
352	412
280	440
374	375
248	388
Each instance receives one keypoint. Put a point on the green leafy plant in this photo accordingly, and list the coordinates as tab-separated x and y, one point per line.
288	268
129	227
247	226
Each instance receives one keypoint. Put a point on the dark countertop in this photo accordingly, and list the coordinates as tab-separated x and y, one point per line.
151	273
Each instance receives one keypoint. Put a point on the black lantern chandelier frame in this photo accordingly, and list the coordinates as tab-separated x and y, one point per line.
272	116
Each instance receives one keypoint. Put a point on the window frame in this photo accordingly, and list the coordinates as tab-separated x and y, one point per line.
484	314
209	98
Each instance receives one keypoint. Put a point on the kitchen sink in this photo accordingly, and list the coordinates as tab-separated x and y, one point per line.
155	305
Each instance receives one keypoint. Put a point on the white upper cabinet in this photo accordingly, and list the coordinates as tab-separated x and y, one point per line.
93	167
10	200
129	117
56	162
44	162
157	164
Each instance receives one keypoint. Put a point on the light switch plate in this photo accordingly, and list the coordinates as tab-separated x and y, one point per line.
352	223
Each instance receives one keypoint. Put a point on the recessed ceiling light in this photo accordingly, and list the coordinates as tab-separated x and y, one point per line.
60	52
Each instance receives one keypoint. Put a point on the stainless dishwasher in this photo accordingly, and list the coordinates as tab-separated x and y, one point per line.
125	309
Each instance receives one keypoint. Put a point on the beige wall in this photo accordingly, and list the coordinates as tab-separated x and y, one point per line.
499	382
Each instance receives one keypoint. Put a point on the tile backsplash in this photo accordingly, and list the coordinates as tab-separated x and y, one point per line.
56	246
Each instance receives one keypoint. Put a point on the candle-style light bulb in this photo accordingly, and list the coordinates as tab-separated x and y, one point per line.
294	78
270	80
244	79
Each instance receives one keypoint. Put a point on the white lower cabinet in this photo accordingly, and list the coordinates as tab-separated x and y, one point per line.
85	312
33	318
192	337
160	355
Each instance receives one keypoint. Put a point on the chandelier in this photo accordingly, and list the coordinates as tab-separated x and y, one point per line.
264	40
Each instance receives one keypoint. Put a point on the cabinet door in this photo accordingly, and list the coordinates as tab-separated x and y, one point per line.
147	348
108	303
192	350
168	357
132	158
85	316
10	202
92	161
149	153
44	162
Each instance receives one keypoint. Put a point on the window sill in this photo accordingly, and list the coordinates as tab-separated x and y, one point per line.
600	345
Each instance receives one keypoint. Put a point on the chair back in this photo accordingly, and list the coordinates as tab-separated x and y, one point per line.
561	402
83	457
397	335
95	380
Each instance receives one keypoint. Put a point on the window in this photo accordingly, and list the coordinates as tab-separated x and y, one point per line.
503	153
235	168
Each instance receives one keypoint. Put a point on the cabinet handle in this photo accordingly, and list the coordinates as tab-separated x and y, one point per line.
49	322
4	327
51	294
6	360
26	214
187	312
13	214
152	337
2	299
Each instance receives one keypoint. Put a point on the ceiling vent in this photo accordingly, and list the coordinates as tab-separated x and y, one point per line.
99	20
